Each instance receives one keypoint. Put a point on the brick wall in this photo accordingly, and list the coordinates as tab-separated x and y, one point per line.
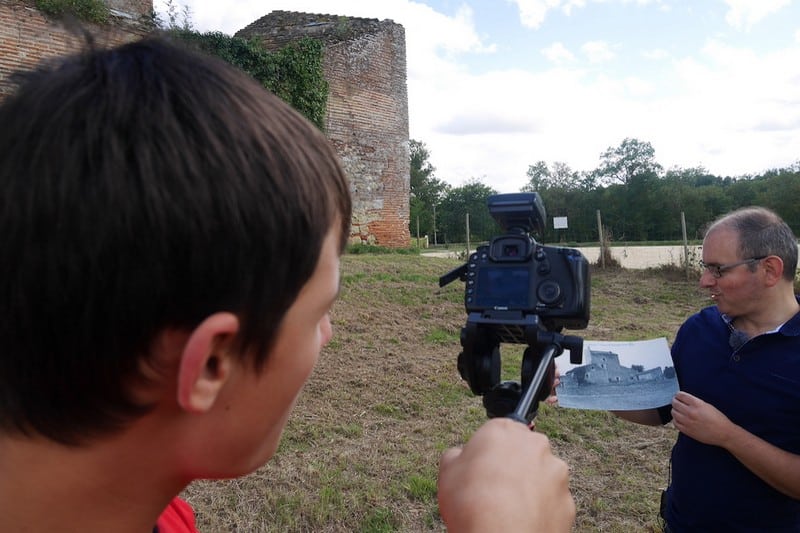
367	115
27	36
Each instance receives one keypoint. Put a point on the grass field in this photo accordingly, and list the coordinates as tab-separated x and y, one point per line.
361	450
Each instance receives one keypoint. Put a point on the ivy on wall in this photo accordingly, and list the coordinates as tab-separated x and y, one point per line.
89	10
293	73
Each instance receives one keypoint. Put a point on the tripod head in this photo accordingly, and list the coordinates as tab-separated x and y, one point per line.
479	365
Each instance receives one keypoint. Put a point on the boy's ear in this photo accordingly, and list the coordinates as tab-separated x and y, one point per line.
206	362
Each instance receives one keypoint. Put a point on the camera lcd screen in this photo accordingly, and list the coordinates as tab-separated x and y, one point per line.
503	287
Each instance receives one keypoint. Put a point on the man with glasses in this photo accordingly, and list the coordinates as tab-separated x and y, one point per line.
736	463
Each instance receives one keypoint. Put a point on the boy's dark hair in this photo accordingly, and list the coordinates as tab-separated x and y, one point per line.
145	188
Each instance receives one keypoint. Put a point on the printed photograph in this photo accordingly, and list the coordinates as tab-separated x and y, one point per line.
619	376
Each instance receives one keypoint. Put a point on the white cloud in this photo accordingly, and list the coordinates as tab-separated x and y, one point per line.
598	51
638	87
740	111
532	12
735	112
655	54
558	53
744	14
556	115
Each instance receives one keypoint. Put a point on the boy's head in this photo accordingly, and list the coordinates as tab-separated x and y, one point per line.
143	189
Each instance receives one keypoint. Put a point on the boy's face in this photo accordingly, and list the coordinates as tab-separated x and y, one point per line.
258	405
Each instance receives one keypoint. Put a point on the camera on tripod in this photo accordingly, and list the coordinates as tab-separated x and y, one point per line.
520	292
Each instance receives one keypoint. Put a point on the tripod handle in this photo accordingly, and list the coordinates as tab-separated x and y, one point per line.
520	414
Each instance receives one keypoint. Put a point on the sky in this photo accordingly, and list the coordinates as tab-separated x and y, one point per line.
495	86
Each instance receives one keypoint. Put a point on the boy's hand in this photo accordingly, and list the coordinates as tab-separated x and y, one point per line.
505	479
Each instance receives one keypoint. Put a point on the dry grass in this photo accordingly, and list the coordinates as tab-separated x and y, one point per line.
361	451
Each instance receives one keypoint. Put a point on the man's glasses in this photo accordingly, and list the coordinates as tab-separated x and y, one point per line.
718	270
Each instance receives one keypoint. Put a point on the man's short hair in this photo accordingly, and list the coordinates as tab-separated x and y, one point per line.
144	188
761	233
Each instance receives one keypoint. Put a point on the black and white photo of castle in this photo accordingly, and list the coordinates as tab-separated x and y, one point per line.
618	376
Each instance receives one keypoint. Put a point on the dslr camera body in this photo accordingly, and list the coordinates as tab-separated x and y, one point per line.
518	291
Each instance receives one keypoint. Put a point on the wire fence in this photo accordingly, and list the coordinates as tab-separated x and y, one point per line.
633	257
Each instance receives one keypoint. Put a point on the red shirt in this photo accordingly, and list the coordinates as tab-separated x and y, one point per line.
178	517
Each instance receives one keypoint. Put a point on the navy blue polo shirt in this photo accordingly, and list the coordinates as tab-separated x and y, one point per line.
758	388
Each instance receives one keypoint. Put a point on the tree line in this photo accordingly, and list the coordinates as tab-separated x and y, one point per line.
637	198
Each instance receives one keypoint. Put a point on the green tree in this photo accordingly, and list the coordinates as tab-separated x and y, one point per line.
639	201
779	190
630	158
542	177
426	191
457	202
687	191
538	177
565	193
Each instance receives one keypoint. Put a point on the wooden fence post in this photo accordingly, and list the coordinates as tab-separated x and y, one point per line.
468	248
602	241
685	245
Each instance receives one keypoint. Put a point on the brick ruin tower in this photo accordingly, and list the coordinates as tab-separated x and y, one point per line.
364	63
